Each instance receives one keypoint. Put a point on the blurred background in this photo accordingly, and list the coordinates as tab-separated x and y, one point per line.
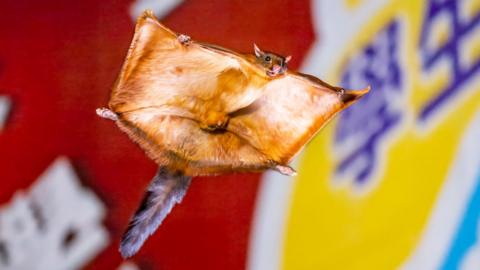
393	182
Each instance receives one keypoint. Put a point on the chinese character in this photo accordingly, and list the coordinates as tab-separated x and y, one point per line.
361	128
56	225
462	31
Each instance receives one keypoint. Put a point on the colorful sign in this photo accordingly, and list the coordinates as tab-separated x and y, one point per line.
394	181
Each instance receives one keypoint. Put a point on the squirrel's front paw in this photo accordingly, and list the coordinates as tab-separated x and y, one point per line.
214	121
184	39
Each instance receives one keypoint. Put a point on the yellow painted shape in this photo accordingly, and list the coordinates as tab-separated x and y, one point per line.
334	225
472	7
472	49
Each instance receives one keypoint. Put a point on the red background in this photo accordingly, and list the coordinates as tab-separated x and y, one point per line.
58	60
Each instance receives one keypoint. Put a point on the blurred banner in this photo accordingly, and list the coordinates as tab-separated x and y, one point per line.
393	182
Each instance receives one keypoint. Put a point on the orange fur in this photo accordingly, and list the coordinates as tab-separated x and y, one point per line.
203	109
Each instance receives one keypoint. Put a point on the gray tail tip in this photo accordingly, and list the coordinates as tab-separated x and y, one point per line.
350	96
131	242
127	250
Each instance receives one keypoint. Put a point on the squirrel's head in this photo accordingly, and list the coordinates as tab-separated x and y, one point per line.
274	64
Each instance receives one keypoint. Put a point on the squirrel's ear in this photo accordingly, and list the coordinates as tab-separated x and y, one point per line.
288	58
257	50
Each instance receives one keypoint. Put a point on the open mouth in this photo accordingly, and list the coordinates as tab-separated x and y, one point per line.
276	70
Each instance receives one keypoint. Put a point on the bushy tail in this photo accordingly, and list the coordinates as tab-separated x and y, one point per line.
165	190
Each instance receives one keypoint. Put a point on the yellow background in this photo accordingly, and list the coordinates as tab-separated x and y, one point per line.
336	225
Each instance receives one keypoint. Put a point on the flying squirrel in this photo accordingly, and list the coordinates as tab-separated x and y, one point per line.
200	109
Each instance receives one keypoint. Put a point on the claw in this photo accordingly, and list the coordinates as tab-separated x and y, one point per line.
184	39
217	126
285	170
107	114
214	121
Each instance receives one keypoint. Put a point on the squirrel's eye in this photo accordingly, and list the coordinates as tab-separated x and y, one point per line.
268	58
